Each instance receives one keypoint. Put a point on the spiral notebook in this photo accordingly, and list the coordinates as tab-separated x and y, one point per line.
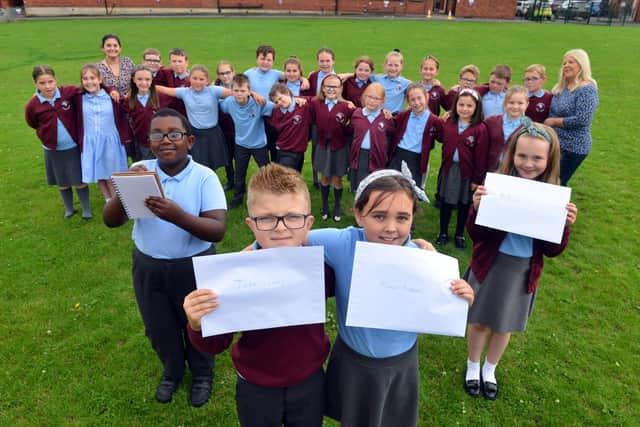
133	188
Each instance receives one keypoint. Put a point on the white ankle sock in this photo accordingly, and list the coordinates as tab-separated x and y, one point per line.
489	372
473	370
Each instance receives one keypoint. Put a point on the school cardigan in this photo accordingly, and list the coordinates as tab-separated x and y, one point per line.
139	119
166	77
292	127
472	145
486	243
497	144
332	126
538	108
275	357
400	124
437	99
351	91
380	130
43	117
119	114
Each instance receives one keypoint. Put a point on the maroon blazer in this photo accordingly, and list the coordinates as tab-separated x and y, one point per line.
380	131
497	143
313	82
333	126
140	118
487	241
292	127
166	77
43	117
122	124
401	120
351	91
437	99
538	109
472	145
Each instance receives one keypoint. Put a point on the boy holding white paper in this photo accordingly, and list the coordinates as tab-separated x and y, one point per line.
505	267
186	221
280	374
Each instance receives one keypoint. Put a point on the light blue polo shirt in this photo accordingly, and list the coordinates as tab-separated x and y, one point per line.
517	245
461	128
493	104
371	116
196	189
143	99
339	252
412	138
202	105
538	94
247	120
394	91
262	81
64	140
294	87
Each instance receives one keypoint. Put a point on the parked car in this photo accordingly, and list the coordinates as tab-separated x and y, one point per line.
534	9
522	7
573	9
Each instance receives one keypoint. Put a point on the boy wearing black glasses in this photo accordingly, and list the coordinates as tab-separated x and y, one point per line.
280	374
190	217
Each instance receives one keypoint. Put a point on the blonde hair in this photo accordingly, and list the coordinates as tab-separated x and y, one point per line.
373	88
470	69
92	68
583	77
516	89
223	62
394	53
551	174
277	180
536	68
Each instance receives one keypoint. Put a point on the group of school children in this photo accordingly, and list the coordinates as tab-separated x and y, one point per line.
358	126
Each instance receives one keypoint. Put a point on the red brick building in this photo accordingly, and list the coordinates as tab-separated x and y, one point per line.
502	9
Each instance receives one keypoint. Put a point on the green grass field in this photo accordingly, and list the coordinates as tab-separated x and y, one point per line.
72	345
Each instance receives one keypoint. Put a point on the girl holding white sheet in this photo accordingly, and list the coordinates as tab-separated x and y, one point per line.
505	267
372	375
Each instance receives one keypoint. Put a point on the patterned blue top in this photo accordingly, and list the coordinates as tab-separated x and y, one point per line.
577	107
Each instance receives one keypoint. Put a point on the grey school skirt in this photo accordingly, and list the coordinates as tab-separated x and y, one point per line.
331	163
210	148
63	167
452	188
363	391
501	300
357	175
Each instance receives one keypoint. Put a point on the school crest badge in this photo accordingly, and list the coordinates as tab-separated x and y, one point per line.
381	126
340	117
297	119
65	105
470	141
540	107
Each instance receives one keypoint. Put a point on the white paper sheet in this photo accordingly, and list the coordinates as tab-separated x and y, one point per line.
405	289
523	206
261	289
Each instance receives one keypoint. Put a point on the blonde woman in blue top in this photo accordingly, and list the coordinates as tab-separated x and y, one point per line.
372	376
574	103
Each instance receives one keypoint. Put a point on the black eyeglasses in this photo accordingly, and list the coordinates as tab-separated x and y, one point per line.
173	136
155	61
225	73
270	222
331	87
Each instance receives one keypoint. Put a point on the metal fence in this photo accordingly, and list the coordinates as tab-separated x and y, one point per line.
577	11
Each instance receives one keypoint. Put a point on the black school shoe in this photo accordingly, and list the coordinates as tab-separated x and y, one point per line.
461	243
200	391
166	388
442	240
472	387
490	390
